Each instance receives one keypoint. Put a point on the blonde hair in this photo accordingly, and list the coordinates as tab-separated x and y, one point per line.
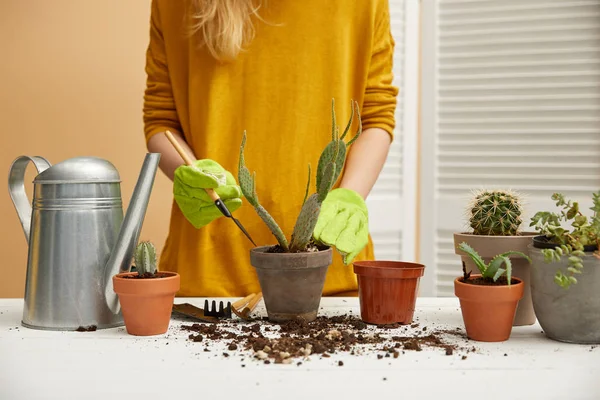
225	27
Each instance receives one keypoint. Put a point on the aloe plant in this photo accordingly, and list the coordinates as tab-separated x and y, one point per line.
492	270
331	163
585	232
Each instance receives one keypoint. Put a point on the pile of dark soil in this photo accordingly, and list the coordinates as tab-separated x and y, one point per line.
323	337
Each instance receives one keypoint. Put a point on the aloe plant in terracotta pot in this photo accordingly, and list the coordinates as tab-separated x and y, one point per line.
292	273
565	279
495	219
146	296
488	301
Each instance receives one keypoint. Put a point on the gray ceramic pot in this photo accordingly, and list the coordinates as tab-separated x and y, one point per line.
567	315
490	246
291	283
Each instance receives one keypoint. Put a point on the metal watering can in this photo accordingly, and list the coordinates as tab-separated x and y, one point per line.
78	238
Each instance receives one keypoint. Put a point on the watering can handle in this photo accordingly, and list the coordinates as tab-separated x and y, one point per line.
16	187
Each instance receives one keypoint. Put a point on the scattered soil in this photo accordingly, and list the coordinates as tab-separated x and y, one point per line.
91	328
294	340
147	275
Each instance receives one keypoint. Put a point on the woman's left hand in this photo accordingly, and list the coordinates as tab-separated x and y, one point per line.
343	223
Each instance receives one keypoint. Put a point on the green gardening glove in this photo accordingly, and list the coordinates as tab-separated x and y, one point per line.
343	223
193	201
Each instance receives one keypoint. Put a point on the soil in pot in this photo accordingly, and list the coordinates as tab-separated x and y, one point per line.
490	246
291	283
568	315
488	308
387	290
146	303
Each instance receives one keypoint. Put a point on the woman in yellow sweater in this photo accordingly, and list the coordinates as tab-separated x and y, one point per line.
217	68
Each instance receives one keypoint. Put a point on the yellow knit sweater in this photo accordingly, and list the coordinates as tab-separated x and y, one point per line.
279	90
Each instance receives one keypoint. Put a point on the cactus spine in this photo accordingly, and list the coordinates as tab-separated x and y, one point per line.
145	258
331	163
495	213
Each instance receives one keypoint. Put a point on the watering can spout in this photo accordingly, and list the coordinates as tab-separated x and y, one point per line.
123	250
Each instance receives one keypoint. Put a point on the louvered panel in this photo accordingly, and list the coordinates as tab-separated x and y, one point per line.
519	96
389	182
387	245
448	264
516	104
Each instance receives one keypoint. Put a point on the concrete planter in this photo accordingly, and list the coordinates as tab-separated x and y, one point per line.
567	315
292	283
490	246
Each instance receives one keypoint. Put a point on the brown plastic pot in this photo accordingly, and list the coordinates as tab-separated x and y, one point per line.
291	283
488	311
490	246
146	303
387	290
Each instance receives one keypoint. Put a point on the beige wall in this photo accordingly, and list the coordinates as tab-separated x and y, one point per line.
71	84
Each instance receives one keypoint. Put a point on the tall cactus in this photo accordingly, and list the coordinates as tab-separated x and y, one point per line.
248	186
330	166
145	258
495	213
331	163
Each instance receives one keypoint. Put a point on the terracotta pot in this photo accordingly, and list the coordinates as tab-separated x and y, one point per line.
490	246
488	311
146	303
387	290
291	283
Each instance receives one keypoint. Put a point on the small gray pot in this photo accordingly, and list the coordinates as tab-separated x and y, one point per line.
567	315
291	283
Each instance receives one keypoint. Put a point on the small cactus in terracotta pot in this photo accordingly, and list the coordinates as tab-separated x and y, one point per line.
292	273
146	296
495	220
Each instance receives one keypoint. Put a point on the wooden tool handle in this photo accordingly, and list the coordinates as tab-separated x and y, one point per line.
255	300
189	161
186	158
243	301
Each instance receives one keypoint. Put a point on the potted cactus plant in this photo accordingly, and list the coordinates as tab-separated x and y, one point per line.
488	301
565	279
495	219
146	296
292	273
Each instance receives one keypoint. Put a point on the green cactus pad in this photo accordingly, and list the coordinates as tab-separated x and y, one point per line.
326	181
335	152
305	224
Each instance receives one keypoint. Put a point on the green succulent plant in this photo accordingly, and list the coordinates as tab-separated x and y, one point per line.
585	232
495	213
331	163
145	258
492	270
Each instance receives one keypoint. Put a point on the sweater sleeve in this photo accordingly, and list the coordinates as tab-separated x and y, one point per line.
159	108
380	96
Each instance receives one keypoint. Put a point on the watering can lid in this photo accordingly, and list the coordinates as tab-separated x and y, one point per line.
80	170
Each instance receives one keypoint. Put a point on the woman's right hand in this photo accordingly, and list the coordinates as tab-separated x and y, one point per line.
189	184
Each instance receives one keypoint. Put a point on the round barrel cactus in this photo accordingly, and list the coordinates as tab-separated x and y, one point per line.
495	213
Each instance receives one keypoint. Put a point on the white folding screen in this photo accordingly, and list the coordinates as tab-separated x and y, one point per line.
392	202
510	99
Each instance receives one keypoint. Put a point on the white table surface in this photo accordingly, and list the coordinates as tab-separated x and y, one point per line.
110	364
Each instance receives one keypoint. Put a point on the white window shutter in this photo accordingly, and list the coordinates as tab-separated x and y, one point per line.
390	212
511	100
